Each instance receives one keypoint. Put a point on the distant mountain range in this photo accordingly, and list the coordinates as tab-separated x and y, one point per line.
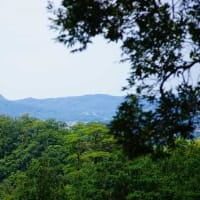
70	109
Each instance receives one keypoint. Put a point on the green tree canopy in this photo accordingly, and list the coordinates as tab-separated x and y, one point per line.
160	40
83	162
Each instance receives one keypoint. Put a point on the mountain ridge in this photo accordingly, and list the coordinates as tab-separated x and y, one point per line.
86	108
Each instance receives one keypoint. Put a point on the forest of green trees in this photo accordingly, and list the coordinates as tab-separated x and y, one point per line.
48	160
144	153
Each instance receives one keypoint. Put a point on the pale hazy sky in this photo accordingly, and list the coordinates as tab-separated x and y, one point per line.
33	65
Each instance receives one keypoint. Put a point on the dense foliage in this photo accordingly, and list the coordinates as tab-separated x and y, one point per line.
42	160
160	40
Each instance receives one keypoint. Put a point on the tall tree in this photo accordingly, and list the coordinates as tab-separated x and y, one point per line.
160	40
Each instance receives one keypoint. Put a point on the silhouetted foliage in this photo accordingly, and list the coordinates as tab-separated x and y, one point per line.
160	40
144	130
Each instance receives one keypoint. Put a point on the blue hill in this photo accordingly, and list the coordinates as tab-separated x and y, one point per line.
82	108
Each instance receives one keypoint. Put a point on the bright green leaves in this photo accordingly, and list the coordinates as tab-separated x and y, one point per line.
49	160
50	170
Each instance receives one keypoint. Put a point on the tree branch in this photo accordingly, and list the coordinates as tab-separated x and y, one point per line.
183	68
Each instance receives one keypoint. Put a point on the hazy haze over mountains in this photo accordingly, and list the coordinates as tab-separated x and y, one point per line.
70	109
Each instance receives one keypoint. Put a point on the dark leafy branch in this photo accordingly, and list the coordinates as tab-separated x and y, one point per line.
160	40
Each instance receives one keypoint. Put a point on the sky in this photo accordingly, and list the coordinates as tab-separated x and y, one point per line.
32	64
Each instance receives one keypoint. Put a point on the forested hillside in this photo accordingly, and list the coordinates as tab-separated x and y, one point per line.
47	160
147	152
